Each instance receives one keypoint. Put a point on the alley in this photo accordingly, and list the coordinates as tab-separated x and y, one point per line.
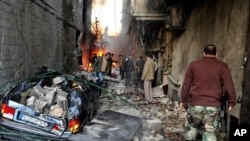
49	47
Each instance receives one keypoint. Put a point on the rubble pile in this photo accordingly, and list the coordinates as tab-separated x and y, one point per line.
48	100
51	100
162	120
49	105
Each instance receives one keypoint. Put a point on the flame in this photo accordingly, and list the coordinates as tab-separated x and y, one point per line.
100	53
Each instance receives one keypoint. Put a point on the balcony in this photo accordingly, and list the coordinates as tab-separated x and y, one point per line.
159	10
149	10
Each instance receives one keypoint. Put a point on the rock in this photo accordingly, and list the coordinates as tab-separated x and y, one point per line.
183	115
164	100
154	124
159	137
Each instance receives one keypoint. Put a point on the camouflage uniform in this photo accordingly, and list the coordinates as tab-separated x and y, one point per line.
202	120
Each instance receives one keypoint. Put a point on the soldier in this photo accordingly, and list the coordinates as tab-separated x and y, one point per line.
203	87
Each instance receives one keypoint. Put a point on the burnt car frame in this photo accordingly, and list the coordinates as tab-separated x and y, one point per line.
51	104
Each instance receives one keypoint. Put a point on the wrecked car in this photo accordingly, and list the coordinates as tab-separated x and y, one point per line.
50	104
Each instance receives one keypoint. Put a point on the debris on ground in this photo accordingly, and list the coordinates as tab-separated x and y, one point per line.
161	119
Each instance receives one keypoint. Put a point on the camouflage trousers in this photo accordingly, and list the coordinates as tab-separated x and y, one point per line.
202	120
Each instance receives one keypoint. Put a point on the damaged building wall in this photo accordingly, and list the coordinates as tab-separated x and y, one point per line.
35	33
222	23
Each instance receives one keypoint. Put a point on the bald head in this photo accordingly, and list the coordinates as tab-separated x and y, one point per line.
210	49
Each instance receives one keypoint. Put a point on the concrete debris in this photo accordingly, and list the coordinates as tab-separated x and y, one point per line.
87	75
51	100
154	124
56	111
58	80
162	121
113	126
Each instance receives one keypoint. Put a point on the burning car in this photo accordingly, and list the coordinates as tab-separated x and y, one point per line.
50	104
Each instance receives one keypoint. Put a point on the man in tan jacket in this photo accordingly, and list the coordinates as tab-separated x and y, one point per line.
148	76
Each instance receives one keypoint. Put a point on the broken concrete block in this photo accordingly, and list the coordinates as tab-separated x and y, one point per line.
164	100
37	90
31	101
160	115
56	111
121	85
154	124
159	137
113	126
63	104
58	80
40	104
183	115
120	91
51	96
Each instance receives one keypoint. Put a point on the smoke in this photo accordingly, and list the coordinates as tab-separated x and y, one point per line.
113	22
99	2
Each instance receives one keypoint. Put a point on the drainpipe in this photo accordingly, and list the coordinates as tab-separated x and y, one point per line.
27	38
2	40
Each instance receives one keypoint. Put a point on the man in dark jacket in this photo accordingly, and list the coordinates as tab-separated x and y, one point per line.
110	60
205	82
128	69
139	68
121	65
93	59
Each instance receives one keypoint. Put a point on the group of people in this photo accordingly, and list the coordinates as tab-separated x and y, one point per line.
205	84
145	73
144	69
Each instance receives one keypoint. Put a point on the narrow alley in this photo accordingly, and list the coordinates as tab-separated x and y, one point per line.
124	70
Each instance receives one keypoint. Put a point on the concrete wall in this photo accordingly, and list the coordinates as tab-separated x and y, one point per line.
35	33
222	23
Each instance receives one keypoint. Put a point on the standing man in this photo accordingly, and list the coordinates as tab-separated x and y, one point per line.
121	64
139	68
206	82
79	48
154	82
79	54
101	67
110	60
128	69
148	76
93	59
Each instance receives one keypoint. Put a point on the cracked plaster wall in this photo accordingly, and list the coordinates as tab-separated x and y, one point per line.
35	33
